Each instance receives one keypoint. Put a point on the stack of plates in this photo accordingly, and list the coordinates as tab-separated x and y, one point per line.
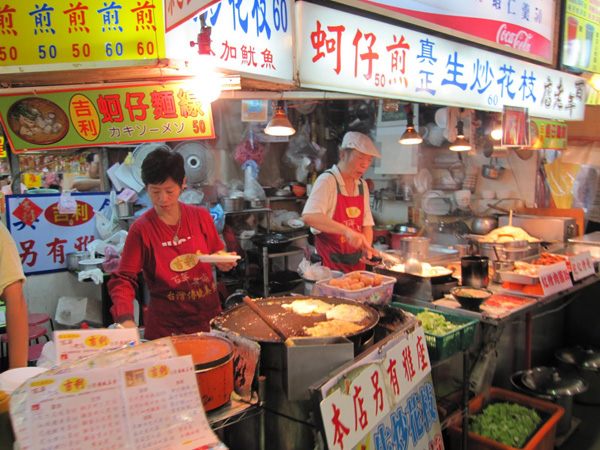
435	203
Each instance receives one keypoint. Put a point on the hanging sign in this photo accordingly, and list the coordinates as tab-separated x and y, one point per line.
548	134
523	27
178	12
44	236
246	36
581	36
339	51
100	116
388	401
84	34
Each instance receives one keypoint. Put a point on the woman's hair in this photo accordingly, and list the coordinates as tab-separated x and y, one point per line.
161	164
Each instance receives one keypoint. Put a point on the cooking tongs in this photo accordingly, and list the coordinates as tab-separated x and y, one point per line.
387	260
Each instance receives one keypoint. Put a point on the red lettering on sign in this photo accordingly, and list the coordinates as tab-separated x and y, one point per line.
84	213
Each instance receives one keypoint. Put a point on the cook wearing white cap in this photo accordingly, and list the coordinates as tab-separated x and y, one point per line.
338	210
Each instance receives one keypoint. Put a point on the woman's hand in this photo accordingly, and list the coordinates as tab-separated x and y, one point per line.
128	324
226	266
355	239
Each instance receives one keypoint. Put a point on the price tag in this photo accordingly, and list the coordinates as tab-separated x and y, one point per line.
554	278
582	265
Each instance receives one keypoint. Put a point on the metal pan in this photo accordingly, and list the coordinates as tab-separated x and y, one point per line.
242	320
275	242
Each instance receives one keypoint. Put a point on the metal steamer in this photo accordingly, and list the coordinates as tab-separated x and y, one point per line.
288	371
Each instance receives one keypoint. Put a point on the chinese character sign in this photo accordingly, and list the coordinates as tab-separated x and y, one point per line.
389	402
524	27
343	52
116	115
177	12
44	236
246	36
84	34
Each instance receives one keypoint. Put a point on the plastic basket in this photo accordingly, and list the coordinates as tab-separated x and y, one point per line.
443	346
379	294
542	439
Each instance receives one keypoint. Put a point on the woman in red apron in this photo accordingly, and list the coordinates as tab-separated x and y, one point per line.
338	207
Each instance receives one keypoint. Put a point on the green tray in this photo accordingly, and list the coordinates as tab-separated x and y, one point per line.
443	346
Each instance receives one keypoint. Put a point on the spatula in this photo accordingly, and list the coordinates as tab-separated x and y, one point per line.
266	319
387	260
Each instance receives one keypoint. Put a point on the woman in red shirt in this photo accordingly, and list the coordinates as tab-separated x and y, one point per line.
181	302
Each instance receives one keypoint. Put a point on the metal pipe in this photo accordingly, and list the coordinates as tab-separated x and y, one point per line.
528	339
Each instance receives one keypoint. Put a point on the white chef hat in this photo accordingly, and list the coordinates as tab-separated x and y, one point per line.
361	142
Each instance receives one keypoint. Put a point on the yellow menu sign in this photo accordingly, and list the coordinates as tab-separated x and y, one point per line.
83	32
112	115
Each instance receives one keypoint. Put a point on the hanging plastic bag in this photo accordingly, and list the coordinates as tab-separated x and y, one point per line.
107	226
252	188
250	148
314	272
67	204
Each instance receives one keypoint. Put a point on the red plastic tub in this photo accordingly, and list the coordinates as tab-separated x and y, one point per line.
543	439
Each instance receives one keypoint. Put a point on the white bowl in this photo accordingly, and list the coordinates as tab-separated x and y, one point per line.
13	378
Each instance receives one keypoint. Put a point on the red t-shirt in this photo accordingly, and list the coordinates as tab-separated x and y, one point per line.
180	302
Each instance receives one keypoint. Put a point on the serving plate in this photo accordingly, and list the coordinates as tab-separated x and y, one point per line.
218	258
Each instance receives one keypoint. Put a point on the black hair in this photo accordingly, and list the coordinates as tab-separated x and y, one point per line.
161	164
89	158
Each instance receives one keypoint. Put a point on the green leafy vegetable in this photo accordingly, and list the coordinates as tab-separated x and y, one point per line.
434	323
507	423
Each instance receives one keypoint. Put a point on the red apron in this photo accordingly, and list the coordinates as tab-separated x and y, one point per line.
337	254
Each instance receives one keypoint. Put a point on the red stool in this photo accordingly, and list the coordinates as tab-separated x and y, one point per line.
40	318
35	333
34	352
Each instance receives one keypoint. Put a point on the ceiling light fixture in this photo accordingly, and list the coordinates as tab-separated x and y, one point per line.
208	83
410	136
279	125
460	144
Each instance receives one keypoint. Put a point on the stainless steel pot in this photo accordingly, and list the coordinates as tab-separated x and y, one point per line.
585	362
417	247
483	225
232	204
258	203
73	259
500	251
491	171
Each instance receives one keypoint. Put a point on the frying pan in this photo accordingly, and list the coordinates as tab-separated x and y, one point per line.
242	320
275	242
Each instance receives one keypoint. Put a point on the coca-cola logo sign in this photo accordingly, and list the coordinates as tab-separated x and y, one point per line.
519	39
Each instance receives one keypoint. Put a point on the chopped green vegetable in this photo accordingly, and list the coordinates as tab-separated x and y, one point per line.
434	323
507	423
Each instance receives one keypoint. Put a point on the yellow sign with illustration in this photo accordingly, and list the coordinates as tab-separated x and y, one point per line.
112	115
81	33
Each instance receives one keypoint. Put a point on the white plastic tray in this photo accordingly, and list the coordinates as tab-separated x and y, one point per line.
518	278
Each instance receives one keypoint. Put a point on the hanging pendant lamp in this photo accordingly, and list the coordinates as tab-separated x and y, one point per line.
410	136
279	125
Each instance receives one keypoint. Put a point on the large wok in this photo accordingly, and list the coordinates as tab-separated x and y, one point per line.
242	320
275	242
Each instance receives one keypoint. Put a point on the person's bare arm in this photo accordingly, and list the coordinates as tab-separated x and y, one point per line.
17	326
86	184
321	222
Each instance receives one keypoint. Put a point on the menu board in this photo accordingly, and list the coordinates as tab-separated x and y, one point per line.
83	34
154	404
581	38
98	116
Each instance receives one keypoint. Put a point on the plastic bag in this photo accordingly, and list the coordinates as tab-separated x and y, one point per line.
116	242
218	217
67	204
107	226
250	147
314	272
191	197
252	188
112	259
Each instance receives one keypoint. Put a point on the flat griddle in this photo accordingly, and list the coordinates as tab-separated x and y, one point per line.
242	320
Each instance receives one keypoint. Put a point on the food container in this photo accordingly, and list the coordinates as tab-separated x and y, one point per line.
590	241
400	232
379	294
498	251
258	203
441	347
232	204
73	259
585	362
213	361
415	247
543	439
469	297
124	209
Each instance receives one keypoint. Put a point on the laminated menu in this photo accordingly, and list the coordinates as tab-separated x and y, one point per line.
149	400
